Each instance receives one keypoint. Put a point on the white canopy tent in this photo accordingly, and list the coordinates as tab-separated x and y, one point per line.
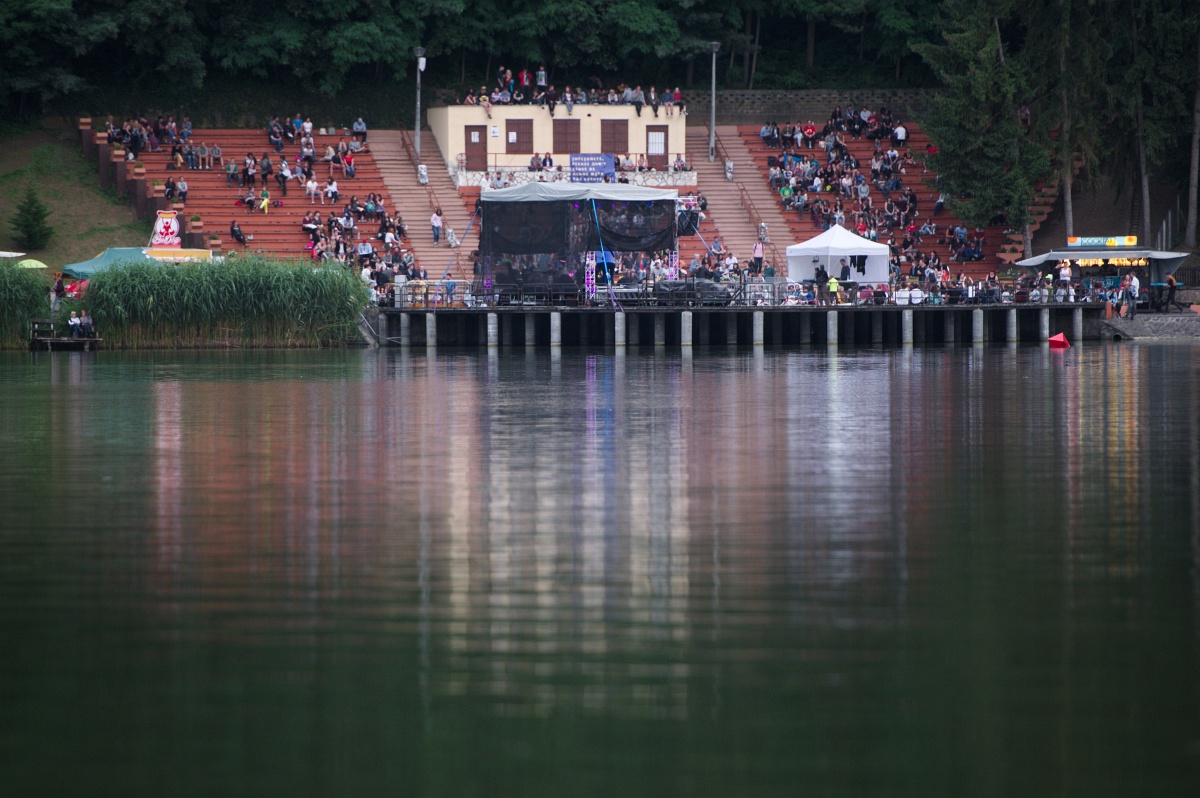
831	246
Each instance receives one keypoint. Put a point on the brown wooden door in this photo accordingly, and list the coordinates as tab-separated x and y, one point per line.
657	156
476	138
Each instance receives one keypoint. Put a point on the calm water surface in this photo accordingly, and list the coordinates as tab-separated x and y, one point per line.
931	572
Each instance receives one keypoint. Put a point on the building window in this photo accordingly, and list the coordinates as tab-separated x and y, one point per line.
519	138
614	136
566	136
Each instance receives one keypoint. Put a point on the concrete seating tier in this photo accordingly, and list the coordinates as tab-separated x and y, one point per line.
802	227
278	231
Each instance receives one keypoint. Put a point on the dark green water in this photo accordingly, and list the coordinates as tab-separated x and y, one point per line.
944	572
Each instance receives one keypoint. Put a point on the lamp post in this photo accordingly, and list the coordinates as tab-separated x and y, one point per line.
419	52
712	106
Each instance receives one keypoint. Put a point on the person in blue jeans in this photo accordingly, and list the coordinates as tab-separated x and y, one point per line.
435	222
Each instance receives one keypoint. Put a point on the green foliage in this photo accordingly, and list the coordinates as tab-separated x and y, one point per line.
987	160
247	301
31	226
24	294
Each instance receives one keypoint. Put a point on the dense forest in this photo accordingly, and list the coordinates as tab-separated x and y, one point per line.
1027	88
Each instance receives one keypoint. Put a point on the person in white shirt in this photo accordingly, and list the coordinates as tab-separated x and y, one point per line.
312	189
331	190
435	224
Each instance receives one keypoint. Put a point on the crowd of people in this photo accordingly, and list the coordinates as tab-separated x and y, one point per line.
816	174
534	88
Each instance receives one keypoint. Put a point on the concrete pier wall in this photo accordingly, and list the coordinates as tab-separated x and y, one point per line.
672	328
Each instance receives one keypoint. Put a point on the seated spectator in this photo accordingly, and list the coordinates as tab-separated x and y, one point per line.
235	232
360	130
86	326
181	190
73	324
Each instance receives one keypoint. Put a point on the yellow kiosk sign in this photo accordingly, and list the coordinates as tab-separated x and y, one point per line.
1101	241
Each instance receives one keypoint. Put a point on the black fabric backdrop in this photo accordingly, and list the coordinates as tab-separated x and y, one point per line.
531	228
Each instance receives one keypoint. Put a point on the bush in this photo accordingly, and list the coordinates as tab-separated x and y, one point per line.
30	225
24	294
248	301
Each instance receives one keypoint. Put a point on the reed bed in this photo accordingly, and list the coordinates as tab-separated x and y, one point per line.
241	302
24	294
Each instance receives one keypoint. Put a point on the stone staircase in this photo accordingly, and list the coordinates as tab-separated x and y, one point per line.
727	199
392	150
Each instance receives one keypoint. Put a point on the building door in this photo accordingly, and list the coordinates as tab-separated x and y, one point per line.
476	138
657	156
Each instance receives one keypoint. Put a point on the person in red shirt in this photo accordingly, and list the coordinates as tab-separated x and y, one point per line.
810	134
525	81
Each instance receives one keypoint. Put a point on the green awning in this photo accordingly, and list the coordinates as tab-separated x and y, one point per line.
85	269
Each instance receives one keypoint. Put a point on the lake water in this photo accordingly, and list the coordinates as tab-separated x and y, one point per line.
934	572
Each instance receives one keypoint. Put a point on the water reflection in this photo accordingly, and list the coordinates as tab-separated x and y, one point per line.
896	552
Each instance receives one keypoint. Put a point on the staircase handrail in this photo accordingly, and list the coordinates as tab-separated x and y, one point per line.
748	206
409	150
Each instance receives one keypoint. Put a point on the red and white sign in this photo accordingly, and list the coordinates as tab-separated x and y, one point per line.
166	230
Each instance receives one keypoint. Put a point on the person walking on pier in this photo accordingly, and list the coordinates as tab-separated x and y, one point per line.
1172	284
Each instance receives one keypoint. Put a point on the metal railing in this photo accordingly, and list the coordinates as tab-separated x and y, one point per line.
504	162
409	150
695	293
769	247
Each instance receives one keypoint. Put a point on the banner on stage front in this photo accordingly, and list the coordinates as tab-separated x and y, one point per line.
591	167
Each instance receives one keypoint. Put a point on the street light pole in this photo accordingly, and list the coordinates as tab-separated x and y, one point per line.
419	52
712	106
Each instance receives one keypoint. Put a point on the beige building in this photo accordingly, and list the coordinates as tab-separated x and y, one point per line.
469	140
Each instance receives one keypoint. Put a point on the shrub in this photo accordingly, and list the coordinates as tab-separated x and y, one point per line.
24	294
31	227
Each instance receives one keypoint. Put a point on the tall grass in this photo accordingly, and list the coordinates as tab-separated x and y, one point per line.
24	294
243	302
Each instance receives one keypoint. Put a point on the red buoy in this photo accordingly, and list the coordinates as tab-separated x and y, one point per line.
1059	342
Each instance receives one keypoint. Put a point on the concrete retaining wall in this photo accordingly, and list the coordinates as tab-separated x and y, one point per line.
780	105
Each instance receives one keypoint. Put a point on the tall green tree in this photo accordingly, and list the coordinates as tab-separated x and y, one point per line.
31	222
987	160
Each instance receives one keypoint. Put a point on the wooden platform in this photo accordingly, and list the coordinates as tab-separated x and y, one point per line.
43	337
64	344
